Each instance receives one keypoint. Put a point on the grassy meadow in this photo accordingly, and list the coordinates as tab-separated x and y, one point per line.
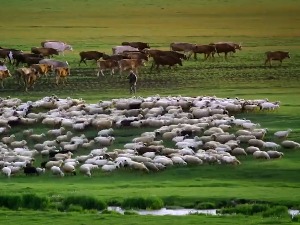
260	25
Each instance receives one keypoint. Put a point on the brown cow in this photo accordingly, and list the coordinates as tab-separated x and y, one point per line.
61	74
235	45
165	60
130	64
155	52
8	53
184	47
22	57
28	75
42	69
277	55
137	44
207	50
3	75
114	57
45	52
135	55
223	48
90	55
108	64
32	60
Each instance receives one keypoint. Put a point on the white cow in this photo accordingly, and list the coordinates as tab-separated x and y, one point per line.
58	45
54	63
121	49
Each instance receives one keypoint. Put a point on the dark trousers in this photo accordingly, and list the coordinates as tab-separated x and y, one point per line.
132	88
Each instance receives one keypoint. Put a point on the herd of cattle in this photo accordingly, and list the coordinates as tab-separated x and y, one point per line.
127	56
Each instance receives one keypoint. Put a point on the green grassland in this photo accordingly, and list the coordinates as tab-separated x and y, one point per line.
260	25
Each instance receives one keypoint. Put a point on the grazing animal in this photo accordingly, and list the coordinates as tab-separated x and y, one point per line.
277	55
42	69
90	55
130	64
28	75
61	74
29	170
120	49
29	58
207	50
223	48
60	46
182	47
139	45
165	60
3	75
45	52
54	63
283	133
108	64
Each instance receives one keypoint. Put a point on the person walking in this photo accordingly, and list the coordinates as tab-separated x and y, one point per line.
132	77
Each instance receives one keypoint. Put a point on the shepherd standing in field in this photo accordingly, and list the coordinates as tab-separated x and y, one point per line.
132	82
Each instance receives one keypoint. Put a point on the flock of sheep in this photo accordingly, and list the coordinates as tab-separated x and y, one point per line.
203	130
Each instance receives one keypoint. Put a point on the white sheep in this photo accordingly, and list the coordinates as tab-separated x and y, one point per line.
50	164
8	140
18	144
110	167
290	144
63	156
56	132
64	137
104	141
261	155
190	159
256	142
106	132
99	151
68	168
229	160
275	154
57	171
250	125
283	133
37	137
6	171
86	169
252	149
271	145
243	132
163	160
178	160
238	152
245	138
138	166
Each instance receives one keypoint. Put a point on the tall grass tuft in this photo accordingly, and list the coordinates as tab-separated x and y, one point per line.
11	201
205	205
86	202
143	203
276	211
245	209
33	201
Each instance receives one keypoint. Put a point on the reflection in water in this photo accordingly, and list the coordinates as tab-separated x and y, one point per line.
181	212
164	211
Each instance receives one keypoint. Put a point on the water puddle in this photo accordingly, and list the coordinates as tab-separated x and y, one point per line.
164	211
180	212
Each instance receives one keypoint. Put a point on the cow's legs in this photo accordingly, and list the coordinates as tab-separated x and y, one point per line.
226	55
2	83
